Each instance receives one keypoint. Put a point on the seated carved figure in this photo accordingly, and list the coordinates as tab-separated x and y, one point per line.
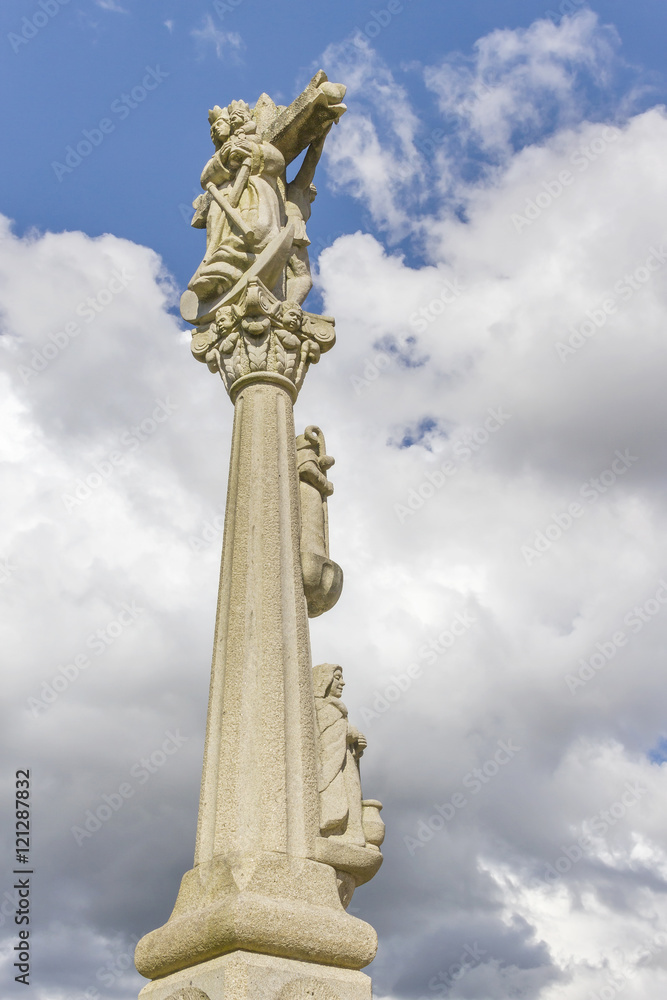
244	172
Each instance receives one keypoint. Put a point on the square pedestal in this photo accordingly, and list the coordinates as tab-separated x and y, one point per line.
244	975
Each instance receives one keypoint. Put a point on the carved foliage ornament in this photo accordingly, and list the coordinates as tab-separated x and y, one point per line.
259	333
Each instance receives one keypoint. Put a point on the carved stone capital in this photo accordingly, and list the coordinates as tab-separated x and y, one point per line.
257	333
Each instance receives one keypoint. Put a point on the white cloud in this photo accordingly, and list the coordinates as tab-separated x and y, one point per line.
94	378
111	5
374	157
498	298
521	82
226	43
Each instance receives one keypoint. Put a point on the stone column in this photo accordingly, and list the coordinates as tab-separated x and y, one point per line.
259	786
261	915
255	886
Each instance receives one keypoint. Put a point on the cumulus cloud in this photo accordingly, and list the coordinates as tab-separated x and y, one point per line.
99	526
521	83
515	383
375	156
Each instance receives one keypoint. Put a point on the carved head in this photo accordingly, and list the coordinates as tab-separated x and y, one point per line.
220	127
256	325
224	320
328	680
239	114
337	683
291	316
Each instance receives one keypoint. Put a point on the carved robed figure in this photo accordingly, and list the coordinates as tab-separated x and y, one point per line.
341	747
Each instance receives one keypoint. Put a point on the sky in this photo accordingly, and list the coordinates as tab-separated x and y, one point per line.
490	234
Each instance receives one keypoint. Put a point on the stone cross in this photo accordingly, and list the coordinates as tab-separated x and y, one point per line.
283	835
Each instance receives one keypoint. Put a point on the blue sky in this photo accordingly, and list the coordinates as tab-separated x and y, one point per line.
490	234
65	79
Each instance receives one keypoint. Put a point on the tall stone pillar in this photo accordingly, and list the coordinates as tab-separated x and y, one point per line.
259	787
261	915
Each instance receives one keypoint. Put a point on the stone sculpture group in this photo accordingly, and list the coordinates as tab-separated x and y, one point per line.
284	836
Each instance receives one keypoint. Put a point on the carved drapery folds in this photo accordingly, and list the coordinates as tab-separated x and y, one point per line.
351	827
245	298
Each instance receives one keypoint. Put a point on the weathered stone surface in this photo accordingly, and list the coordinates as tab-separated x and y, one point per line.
254	885
322	577
285	907
259	787
245	297
259	333
313	112
280	849
351	827
248	976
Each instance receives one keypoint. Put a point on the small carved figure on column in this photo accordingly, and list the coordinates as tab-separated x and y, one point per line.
322	577
343	813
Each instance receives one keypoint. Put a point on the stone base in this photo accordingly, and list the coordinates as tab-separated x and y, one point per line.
264	902
244	975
